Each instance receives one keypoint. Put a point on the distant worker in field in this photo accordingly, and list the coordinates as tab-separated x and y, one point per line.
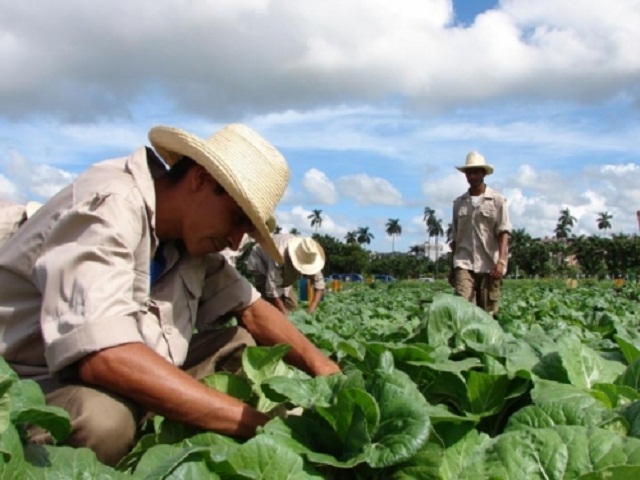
480	238
302	257
114	298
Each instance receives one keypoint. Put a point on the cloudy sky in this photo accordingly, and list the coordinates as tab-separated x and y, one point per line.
372	102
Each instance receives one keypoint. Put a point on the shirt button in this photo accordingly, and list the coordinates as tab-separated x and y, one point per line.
168	329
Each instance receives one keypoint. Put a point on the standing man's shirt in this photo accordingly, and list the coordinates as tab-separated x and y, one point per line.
76	277
278	278
475	230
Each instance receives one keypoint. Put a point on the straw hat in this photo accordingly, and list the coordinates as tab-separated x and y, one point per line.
31	208
307	256
246	165
475	160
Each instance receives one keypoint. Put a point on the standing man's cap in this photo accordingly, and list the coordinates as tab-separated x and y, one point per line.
246	165
307	256
475	160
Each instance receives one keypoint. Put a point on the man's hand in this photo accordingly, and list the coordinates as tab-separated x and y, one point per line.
498	270
269	327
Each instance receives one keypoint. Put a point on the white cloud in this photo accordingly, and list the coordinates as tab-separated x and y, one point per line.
8	190
367	190
320	188
298	217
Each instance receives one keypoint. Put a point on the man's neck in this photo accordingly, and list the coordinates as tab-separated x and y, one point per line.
476	191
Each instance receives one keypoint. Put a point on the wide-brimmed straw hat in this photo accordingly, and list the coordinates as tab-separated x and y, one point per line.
31	207
246	165
307	256
475	160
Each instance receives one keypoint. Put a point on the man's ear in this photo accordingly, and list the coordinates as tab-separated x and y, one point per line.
199	178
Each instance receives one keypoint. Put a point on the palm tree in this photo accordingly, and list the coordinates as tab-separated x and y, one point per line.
351	238
294	231
316	219
278	229
603	220
428	217
566	219
393	228
435	230
417	250
364	235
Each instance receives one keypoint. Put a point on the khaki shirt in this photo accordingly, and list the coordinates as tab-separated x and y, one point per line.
475	230
278	277
12	215
75	277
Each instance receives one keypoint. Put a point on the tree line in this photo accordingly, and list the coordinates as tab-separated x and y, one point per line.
563	254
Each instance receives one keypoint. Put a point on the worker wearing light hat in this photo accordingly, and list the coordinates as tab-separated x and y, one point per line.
114	297
480	232
302	256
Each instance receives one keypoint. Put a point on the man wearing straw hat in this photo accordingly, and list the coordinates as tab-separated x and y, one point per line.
480	237
302	256
103	289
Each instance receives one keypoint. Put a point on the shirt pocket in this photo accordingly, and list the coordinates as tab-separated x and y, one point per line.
488	212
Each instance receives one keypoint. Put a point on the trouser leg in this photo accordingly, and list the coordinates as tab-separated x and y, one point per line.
104	422
219	350
465	284
489	293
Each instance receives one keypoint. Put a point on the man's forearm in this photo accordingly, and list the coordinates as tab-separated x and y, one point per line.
270	327
135	371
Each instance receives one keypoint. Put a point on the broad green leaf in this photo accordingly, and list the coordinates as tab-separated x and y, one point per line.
307	393
486	393
354	410
404	418
586	367
230	384
311	436
630	351
46	462
5	402
456	323
558	404
12	461
263	457
262	363
555	453
171	461
457	458
631	376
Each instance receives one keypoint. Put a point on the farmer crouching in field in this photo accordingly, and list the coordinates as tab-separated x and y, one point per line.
103	288
480	238
302	256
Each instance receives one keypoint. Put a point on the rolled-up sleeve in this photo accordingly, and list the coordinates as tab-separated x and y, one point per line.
503	225
318	281
91	279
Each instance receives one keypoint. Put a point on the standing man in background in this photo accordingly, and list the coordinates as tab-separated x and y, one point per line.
302	256
480	238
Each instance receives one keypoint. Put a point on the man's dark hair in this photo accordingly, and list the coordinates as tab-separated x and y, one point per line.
179	169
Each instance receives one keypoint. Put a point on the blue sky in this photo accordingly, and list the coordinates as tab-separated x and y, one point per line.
372	102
